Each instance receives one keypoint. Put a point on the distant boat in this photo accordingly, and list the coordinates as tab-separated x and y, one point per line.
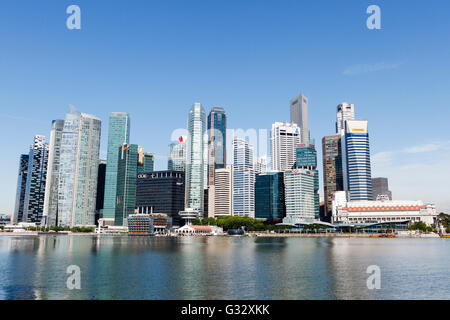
235	232
445	235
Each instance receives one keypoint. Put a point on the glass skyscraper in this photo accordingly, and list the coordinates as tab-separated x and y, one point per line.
35	186
118	134
51	187
217	155
195	159
299	115
306	158
145	161
126	183
269	196
21	186
356	161
78	169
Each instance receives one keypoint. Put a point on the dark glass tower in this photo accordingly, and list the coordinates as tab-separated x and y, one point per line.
332	171
269	196
126	183
161	192
306	158
21	186
217	155
36	179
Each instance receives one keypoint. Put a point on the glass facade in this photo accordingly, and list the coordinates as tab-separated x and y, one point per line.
306	158
78	170
243	179
51	187
269	196
36	180
299	196
126	183
118	134
21	186
195	163
217	126
161	192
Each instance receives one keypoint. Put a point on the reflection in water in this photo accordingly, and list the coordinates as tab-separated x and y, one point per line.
222	267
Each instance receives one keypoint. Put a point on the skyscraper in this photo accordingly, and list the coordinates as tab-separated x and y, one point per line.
380	187
161	192
78	169
195	159
284	138
269	196
299	196
145	161
51	186
299	115
100	185
356	160
307	159
223	182
243	179
332	171
126	183
217	155
177	155
118	134
344	111
35	187
21	187
261	165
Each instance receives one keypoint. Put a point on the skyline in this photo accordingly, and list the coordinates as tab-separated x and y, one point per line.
406	112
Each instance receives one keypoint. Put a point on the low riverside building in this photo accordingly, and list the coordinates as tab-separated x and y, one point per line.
194	229
148	224
354	212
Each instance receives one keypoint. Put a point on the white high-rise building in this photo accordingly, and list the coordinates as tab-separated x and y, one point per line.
223	192
284	138
195	162
299	115
52	182
78	169
243	179
344	111
299	195
261	165
177	155
356	167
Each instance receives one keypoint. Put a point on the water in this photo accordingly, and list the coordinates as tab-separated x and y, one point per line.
223	268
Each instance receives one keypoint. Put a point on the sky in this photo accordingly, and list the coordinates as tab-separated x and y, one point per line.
154	59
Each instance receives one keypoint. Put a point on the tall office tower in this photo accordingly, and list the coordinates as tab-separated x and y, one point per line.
223	182
344	111
145	161
307	159
217	128
177	155
284	138
35	187
100	185
380	187
299	115
356	160
50	215
332	171
78	169
243	179
261	165
126	183
299	196
161	192
195	159
269	196
118	134
21	187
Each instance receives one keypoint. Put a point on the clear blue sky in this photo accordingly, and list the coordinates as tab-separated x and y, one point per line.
155	58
